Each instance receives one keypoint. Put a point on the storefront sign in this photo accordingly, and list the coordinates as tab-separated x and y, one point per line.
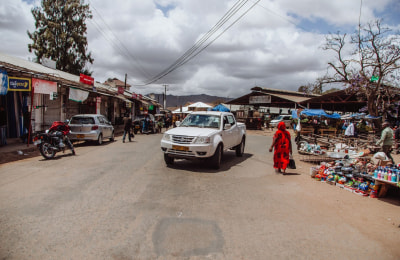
41	86
121	90
85	79
134	96
260	99
3	82
53	95
19	84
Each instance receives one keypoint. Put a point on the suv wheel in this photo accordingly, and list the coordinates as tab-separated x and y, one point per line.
217	157
168	160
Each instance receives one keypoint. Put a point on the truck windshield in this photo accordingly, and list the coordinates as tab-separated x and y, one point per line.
208	121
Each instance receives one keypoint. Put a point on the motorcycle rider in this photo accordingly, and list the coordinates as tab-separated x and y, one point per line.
61	130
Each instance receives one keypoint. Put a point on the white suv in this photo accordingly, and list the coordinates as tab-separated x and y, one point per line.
287	119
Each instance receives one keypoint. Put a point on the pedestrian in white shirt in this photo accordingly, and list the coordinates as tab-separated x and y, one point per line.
349	130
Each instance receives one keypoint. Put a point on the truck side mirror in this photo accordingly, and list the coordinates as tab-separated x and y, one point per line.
227	126
178	123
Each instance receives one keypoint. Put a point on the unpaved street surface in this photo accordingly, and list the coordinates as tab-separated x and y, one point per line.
120	201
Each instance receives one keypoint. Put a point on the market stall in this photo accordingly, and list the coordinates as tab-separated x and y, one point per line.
364	174
316	121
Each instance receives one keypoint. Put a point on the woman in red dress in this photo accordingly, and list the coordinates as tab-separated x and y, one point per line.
283	147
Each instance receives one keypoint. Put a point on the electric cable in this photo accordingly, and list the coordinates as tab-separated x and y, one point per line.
121	48
193	51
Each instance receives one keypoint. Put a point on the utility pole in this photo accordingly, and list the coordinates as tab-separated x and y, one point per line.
165	96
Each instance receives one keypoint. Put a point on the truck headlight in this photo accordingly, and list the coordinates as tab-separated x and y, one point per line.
203	140
167	137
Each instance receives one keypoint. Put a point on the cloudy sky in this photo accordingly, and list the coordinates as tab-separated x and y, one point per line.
270	43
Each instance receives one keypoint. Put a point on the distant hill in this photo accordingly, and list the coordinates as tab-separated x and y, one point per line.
176	101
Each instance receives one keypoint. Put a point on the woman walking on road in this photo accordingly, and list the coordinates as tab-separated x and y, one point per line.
283	147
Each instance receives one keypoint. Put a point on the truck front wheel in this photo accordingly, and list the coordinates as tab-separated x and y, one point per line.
240	148
168	160
217	157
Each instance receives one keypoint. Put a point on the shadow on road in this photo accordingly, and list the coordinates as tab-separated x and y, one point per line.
229	160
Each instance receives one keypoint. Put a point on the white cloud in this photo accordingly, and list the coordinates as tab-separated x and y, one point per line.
142	38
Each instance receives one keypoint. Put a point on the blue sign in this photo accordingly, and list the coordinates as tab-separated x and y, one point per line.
3	82
19	84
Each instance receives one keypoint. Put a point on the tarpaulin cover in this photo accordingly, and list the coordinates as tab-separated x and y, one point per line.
78	95
221	108
315	112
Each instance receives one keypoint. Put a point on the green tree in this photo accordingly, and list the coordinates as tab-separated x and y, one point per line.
371	68
61	34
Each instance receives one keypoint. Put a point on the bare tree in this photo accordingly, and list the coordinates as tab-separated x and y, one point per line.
311	88
367	64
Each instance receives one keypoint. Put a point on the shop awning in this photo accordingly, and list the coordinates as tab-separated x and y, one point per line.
124	99
145	102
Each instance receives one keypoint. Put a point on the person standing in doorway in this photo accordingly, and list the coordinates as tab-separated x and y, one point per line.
386	140
127	127
282	146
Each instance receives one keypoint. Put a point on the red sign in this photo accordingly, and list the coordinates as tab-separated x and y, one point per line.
121	90
140	96
85	79
134	95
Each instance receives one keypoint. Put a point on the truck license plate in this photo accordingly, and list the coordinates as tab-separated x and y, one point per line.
80	136
180	148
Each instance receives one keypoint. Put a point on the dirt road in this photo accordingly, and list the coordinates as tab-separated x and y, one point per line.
120	201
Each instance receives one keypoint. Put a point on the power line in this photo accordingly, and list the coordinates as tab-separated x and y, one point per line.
119	46
281	16
197	45
194	50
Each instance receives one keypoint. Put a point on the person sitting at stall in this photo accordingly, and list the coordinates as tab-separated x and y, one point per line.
362	127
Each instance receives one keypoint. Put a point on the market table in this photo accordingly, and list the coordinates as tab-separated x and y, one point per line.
306	131
328	132
385	186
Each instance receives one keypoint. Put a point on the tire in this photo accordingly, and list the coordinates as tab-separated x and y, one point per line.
47	151
240	148
168	160
112	138
100	139
215	160
135	131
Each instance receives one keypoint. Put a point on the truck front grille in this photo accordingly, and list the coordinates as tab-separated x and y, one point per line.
182	139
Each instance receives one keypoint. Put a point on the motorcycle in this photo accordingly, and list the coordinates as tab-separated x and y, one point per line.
51	142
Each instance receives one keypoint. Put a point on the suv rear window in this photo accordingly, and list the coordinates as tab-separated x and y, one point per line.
82	120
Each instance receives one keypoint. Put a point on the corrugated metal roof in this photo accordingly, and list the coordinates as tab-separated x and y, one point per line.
36	67
292	98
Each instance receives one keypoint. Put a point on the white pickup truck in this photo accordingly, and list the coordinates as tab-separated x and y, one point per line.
202	135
